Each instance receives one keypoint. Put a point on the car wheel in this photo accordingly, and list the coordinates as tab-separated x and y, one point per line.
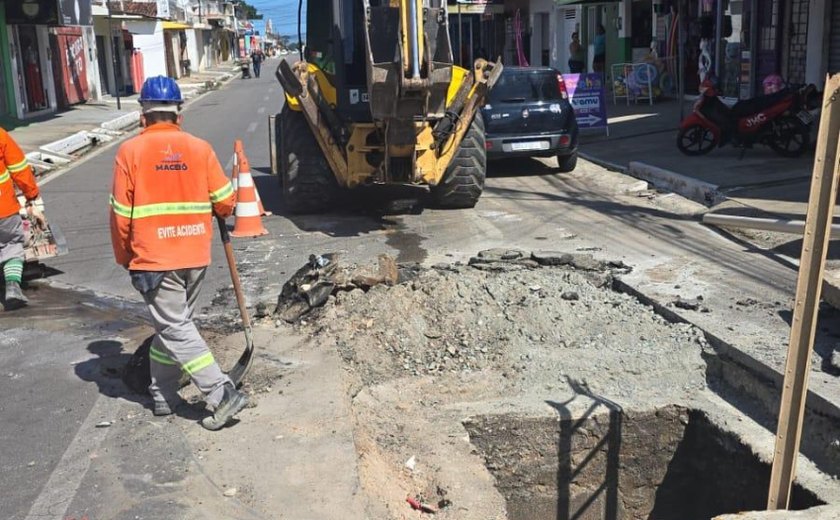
567	163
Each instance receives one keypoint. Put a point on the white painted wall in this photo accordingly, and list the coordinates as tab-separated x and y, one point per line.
100	28
193	46
148	37
816	59
92	64
536	9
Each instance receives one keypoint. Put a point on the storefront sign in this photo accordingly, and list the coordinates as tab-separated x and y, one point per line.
75	12
588	98
477	7
49	12
32	12
163	8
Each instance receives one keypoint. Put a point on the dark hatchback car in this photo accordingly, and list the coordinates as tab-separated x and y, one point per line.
528	114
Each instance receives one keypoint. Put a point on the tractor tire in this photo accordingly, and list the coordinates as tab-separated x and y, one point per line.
463	181
306	180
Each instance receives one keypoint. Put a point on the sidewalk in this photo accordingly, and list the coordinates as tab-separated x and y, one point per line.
647	135
642	143
60	138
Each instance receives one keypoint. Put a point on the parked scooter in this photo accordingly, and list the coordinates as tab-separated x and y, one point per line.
781	120
246	70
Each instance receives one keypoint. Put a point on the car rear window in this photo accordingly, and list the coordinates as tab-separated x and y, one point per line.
525	86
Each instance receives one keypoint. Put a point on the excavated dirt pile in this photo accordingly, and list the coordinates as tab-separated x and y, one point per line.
499	389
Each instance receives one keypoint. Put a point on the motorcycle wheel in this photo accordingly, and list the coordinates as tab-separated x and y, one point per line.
789	137
696	140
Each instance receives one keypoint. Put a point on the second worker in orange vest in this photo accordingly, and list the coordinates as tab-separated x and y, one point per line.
167	185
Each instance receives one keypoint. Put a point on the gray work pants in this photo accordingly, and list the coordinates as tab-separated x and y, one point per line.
178	347
11	238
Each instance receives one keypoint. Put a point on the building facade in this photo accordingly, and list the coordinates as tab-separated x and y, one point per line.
50	63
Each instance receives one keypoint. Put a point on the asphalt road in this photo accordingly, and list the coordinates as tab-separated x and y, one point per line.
52	353
78	199
58	358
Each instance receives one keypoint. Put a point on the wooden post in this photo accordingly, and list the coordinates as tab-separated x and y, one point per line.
811	266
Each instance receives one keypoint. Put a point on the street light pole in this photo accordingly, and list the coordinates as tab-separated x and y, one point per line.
115	57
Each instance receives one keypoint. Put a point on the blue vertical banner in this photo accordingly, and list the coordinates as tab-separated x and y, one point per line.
589	100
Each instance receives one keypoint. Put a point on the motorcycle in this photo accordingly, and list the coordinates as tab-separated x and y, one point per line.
781	120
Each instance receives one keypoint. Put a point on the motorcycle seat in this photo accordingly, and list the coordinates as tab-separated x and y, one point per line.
755	105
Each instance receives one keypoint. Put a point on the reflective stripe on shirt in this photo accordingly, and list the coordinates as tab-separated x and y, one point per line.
5	177
222	193
17	167
163	208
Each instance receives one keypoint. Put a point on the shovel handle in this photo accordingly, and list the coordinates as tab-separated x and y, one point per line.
234	275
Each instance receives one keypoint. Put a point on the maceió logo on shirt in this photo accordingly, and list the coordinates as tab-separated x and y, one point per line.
172	161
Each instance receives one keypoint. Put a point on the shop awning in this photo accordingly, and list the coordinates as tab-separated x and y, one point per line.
176	25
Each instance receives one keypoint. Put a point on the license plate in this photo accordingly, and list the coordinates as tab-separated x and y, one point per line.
805	117
529	145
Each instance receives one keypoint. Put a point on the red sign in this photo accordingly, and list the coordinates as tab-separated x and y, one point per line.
71	56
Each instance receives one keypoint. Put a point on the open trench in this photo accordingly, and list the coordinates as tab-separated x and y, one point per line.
537	387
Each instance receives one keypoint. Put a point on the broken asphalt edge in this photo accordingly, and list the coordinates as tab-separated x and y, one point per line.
67	150
746	381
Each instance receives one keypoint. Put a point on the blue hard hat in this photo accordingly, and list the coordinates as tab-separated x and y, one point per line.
160	89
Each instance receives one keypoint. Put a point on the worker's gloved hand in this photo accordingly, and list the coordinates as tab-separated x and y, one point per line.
35	210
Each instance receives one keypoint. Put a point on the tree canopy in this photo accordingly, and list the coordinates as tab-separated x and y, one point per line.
247	11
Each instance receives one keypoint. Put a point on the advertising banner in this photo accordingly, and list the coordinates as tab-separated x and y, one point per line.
588	97
75	12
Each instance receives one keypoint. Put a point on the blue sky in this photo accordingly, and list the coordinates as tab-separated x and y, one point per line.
283	14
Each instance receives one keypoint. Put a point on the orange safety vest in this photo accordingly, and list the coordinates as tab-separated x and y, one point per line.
166	183
14	171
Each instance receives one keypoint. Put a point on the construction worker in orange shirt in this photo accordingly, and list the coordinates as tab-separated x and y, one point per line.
167	186
14	171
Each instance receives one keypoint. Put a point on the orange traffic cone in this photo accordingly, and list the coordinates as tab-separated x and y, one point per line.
238	152
248	221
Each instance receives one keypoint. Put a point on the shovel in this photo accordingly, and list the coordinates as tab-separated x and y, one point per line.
237	373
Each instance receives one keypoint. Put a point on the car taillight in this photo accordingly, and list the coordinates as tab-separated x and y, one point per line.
488	145
561	87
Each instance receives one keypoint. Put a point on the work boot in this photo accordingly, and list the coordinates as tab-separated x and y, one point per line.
233	401
14	296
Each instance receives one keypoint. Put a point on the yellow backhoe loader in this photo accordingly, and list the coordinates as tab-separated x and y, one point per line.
376	99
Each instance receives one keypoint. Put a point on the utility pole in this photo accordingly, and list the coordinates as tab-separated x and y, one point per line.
115	57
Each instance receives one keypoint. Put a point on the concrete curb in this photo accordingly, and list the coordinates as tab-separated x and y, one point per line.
602	163
688	187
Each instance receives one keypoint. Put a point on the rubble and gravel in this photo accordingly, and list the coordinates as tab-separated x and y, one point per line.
507	310
510	328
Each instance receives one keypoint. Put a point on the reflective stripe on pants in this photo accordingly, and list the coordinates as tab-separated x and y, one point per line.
178	346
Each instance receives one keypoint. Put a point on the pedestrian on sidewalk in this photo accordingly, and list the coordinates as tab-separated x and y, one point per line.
257	57
14	171
600	48
167	186
575	55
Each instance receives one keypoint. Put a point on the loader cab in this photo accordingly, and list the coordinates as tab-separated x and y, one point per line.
335	42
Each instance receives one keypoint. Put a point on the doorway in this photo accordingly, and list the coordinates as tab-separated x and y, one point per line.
31	81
